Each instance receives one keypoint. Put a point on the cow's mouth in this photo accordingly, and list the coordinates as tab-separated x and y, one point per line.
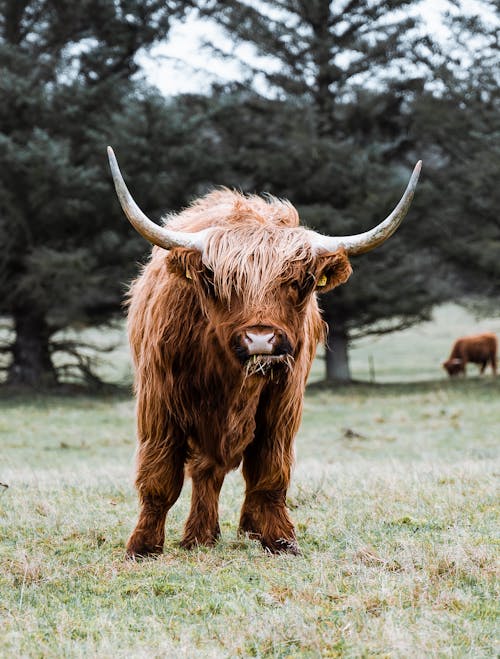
266	364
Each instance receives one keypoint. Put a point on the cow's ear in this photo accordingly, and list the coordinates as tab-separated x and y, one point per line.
332	270
185	263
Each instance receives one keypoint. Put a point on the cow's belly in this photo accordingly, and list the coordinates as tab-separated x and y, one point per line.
477	356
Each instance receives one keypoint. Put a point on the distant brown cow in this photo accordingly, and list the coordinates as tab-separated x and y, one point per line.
479	349
223	324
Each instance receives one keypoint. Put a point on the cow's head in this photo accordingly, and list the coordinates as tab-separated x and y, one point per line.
454	366
255	283
256	278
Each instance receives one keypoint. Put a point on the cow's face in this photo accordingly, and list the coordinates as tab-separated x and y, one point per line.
454	366
256	301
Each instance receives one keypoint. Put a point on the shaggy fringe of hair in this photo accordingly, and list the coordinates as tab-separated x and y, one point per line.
225	208
251	261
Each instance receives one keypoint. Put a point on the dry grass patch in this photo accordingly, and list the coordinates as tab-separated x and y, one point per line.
398	530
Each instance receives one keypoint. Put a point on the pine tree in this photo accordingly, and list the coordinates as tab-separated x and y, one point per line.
458	122
68	77
341	88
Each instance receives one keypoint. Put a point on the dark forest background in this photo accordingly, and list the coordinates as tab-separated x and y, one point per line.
358	92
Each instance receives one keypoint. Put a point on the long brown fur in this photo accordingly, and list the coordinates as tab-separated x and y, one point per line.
199	411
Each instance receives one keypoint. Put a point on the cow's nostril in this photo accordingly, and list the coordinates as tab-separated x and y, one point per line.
259	343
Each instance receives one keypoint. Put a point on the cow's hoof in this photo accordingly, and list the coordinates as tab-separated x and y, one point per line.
250	534
189	543
141	555
192	543
196	538
137	550
282	546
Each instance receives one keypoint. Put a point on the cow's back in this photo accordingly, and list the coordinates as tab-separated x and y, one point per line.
476	348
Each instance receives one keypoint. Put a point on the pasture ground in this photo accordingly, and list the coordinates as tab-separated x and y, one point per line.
394	498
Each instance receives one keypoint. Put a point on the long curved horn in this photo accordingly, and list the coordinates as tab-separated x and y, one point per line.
153	232
364	242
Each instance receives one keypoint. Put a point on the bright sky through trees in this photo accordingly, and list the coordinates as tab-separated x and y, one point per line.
182	65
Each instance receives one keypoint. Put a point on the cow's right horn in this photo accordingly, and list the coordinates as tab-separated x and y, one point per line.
364	242
153	232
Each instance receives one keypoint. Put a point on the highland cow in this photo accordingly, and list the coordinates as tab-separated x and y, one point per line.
223	324
479	349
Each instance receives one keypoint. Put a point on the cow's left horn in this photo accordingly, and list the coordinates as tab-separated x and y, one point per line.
153	232
364	242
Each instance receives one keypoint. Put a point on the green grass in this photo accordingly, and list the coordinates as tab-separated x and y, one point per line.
394	496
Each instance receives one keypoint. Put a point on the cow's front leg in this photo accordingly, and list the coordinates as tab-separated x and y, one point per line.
264	515
160	475
267	467
202	525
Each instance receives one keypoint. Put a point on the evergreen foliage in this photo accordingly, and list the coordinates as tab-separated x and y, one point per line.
68	85
339	143
459	126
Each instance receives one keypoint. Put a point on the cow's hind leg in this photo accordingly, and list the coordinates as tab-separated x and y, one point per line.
202	525
160	475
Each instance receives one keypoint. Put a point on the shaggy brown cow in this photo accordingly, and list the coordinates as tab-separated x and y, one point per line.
479	349
223	324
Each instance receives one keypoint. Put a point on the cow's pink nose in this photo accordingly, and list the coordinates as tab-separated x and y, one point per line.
259	343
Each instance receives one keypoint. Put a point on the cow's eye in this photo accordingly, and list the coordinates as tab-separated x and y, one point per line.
294	290
299	288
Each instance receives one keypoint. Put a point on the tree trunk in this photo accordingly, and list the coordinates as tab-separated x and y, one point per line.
31	364
337	355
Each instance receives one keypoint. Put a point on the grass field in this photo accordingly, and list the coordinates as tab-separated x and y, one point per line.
394	497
